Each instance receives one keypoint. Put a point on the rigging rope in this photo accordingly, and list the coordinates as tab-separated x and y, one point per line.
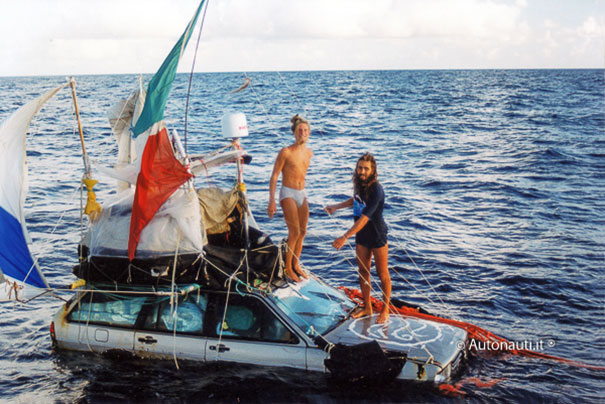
418	269
197	44
222	325
272	125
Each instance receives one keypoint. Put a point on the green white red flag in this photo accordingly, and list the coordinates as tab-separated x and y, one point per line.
161	173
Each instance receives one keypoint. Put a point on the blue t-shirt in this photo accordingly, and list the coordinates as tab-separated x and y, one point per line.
374	233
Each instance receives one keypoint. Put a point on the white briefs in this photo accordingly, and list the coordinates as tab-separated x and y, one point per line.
297	194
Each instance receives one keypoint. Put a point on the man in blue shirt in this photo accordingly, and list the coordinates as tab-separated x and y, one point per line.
370	232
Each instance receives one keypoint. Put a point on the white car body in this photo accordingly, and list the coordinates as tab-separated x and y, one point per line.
258	328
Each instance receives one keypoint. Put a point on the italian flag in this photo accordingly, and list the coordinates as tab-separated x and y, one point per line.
161	173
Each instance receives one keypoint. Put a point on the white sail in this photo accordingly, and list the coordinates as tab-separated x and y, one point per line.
122	117
21	272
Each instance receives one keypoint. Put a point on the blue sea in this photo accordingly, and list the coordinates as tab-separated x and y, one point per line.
495	187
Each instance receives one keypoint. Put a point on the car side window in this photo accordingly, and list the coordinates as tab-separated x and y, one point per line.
186	316
246	317
107	309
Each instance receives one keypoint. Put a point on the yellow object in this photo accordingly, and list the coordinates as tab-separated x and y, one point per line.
93	208
78	284
241	186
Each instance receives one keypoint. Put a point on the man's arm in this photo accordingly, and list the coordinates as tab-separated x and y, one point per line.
333	208
357	226
277	169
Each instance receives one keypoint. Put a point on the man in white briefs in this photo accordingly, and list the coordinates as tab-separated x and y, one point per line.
292	162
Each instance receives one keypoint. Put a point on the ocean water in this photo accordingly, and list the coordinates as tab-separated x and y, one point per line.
495	183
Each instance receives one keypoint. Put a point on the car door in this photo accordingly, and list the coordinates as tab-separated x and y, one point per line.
101	322
173	330
242	328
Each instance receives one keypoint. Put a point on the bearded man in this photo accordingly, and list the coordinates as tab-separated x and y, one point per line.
370	232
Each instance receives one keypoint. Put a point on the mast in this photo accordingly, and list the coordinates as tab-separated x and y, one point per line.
241	189
72	84
93	208
234	126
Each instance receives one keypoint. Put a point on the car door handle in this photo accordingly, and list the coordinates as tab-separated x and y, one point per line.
148	340
221	348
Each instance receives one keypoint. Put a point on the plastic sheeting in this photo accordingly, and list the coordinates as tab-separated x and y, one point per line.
177	223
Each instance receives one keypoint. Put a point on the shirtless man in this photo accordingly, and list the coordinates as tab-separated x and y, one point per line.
292	162
370	232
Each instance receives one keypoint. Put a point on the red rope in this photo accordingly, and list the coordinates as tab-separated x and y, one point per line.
455	390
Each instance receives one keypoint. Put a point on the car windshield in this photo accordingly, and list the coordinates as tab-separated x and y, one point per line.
314	306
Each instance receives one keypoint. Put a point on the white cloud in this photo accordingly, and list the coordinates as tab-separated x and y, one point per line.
590	28
347	19
131	36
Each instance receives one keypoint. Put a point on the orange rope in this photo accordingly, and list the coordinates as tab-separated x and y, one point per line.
450	390
474	332
455	390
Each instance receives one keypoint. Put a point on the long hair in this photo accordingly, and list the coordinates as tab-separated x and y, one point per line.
361	186
297	120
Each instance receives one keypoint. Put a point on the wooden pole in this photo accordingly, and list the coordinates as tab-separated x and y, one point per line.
72	83
93	208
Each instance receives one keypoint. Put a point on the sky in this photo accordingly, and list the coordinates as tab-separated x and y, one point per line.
75	37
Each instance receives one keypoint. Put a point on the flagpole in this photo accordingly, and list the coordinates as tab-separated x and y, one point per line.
93	208
72	83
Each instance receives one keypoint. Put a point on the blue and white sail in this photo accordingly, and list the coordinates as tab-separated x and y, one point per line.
20	274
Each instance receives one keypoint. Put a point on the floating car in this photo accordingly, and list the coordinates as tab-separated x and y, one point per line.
279	327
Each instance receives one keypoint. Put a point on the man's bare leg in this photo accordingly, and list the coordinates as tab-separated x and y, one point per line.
381	258
288	206
303	217
364	260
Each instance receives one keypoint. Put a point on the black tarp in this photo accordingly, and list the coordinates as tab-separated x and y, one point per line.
365	362
210	269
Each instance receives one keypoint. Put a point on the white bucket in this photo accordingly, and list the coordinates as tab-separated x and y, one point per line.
234	125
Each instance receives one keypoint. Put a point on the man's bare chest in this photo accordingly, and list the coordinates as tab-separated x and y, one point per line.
298	161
